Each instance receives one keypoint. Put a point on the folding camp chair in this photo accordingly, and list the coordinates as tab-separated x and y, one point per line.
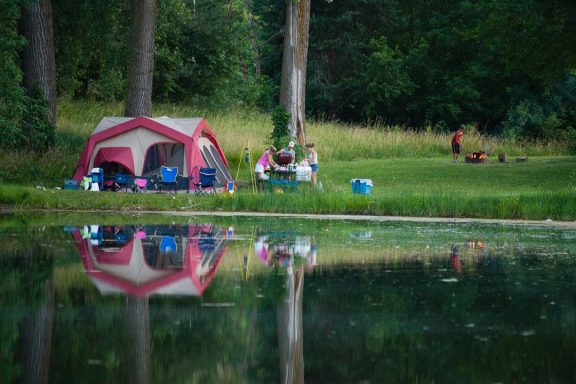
204	181
140	185
168	177
121	180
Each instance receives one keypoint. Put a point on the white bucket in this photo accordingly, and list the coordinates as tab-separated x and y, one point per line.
303	173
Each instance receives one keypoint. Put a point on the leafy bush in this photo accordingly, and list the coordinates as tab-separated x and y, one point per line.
280	135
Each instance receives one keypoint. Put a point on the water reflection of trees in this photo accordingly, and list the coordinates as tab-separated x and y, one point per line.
391	320
27	289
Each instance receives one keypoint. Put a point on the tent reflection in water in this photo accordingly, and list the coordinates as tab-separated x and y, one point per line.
156	260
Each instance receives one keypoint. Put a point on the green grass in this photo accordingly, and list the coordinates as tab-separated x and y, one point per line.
542	188
412	172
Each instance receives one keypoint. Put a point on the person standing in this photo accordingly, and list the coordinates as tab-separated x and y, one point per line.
290	150
265	162
457	142
312	158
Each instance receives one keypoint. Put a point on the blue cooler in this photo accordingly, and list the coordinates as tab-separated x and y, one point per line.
361	186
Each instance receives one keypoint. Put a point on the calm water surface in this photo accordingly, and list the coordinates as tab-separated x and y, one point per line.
241	300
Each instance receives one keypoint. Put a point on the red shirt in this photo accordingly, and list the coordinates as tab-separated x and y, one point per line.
457	138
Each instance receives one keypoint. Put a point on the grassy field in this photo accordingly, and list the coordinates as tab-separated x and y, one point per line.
412	172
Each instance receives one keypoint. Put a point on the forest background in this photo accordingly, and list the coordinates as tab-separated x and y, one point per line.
507	66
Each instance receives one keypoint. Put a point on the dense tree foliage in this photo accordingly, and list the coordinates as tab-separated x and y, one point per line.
438	63
508	66
24	115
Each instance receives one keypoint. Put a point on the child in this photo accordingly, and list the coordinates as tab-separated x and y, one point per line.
312	158
457	142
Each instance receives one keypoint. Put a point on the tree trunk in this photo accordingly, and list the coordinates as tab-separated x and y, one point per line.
294	60
38	60
141	63
253	39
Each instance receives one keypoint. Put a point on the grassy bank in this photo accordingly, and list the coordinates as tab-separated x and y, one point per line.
543	188
412	172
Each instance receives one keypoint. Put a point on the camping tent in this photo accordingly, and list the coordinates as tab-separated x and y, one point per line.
140	146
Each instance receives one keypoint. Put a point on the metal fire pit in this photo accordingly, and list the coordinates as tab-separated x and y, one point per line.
476	157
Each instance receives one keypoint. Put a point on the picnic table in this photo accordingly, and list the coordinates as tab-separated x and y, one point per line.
282	178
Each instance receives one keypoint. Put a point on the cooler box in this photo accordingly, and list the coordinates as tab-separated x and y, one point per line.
70	184
97	175
303	173
361	186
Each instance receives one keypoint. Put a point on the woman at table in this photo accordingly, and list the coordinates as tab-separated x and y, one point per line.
312	158
265	162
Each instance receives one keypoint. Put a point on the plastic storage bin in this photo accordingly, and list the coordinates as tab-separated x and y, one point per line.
303	173
361	186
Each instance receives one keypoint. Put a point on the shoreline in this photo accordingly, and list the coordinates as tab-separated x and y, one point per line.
308	216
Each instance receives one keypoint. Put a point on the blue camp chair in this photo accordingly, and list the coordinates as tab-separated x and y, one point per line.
204	181
121	180
168	177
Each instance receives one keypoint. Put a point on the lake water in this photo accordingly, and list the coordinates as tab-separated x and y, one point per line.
264	300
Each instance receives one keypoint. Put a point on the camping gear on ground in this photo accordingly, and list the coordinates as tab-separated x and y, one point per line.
140	146
140	185
168	177
121	180
71	184
97	179
204	181
86	182
361	186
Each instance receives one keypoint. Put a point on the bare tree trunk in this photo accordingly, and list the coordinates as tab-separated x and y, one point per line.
38	60
253	39
294	61
141	64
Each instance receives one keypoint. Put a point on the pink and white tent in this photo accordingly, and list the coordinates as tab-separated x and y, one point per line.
140	146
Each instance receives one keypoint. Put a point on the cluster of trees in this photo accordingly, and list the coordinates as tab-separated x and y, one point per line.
509	66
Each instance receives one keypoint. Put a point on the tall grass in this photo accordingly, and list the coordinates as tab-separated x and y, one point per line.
238	128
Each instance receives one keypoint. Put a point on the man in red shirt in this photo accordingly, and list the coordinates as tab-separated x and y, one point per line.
457	142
